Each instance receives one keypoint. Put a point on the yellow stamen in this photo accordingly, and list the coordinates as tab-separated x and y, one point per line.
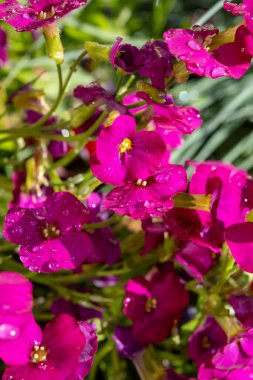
39	354
151	304
125	146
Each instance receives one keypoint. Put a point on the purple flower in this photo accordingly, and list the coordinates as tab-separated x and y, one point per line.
3	47
192	47
87	357
148	197
243	307
50	236
36	14
196	261
205	341
121	152
157	64
95	94
126	344
154	305
232	362
57	353
106	247
153	60
126	56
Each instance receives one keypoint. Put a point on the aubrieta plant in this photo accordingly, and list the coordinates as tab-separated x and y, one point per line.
116	261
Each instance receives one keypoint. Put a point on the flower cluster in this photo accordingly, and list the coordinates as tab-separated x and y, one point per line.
124	243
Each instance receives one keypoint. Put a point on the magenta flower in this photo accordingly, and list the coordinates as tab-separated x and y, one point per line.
121	152
232	362
170	117
3	47
239	238
16	318
195	226
36	14
170	120
148	197
245	8
205	341
52	354
227	188
193	47
225	185
154	305
50	236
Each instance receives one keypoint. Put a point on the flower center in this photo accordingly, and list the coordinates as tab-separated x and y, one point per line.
39	354
205	342
141	183
46	15
151	304
51	232
125	146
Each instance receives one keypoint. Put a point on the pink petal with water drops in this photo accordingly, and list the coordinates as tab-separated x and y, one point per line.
66	211
52	255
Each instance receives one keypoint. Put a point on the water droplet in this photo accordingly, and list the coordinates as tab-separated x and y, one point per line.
8	331
53	265
218	72
194	45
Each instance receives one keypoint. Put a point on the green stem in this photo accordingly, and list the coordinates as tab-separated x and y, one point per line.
92	226
62	89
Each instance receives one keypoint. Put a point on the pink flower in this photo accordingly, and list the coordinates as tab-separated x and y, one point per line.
193	47
239	238
121	152
36	14
50	236
154	305
245	8
232	362
57	353
226	188
16	317
148	197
